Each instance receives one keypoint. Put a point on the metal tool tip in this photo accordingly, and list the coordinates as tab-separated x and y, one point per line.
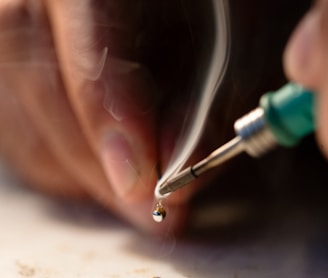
180	180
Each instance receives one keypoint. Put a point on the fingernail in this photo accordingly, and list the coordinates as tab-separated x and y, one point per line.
119	163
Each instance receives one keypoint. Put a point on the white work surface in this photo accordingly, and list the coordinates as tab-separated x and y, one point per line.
43	238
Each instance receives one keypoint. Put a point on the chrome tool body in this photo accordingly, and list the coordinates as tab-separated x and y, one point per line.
282	118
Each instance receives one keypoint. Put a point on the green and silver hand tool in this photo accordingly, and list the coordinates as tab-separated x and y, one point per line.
282	118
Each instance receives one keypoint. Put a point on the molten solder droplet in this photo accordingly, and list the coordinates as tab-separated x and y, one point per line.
159	213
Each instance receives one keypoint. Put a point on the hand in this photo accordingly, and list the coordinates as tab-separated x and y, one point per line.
77	111
306	62
84	91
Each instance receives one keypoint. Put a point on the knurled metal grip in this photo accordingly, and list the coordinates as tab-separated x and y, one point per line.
257	138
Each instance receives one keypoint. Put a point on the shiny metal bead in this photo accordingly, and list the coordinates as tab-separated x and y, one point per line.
159	214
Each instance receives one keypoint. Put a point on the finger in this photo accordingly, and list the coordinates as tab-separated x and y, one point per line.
43	99
22	148
306	62
122	136
304	54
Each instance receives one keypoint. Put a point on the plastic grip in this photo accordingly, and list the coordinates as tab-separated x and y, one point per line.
289	113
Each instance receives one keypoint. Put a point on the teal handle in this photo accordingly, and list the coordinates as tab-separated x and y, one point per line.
289	113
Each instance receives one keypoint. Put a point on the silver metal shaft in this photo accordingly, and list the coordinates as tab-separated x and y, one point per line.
253	136
217	157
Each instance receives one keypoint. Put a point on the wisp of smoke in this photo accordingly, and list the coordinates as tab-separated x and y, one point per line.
213	79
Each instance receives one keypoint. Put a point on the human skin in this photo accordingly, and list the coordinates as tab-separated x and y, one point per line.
306	62
83	117
80	109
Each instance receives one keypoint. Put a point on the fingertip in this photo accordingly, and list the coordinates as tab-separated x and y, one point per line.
129	167
302	56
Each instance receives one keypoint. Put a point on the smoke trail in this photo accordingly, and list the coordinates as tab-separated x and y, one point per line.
215	73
